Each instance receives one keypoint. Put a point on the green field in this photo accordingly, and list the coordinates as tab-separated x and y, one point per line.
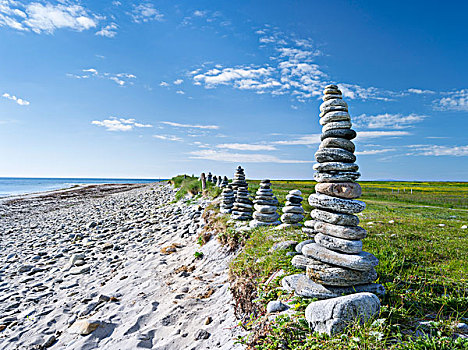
423	252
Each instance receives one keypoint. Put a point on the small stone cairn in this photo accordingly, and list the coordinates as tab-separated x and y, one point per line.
209	177
239	179
335	263
243	206
265	205
293	213
227	199
220	181
225	182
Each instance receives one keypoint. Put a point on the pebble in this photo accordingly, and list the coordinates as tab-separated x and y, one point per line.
346	124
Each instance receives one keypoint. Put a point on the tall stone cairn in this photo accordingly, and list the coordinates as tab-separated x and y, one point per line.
243	206
293	213
239	179
203	181
227	200
335	263
265	205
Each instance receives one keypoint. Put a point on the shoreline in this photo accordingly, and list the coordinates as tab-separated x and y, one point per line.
118	258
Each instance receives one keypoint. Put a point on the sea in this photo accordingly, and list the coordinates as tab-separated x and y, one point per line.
13	186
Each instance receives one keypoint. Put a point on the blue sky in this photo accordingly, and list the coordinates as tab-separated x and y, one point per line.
155	88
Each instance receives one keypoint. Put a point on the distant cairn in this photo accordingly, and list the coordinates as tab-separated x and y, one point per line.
265	206
209	177
243	206
220	181
227	200
293	213
335	263
225	182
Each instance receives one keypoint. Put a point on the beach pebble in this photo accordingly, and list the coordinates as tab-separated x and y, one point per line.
276	306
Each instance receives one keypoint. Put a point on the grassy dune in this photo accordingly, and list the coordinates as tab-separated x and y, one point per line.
423	254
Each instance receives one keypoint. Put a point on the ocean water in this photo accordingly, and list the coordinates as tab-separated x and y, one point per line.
11	186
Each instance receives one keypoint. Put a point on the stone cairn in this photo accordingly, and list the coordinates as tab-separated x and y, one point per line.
265	205
209	177
227	199
203	181
293	213
243	206
220	181
335	263
225	182
239	179
215	180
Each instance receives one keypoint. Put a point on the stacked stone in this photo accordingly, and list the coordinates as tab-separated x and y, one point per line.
265	206
243	206
336	264
209	177
239	179
293	213
220	181
227	200
225	182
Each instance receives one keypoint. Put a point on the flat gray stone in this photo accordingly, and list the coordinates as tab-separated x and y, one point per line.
338	244
310	223
276	306
334	155
335	166
331	96
339	231
348	134
266	217
341	205
256	223
294	198
265	209
334	218
338	177
291	218
289	283
335	315
329	275
335	116
307	288
303	243
293	209
346	124
363	261
340	189
338	102
301	261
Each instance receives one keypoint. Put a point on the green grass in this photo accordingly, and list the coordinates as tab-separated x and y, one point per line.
423	264
191	185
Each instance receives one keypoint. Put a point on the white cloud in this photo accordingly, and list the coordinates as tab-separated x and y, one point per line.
435	150
193	126
119	78
311	139
120	124
180	92
387	120
199	13
456	101
46	17
168	137
215	76
146	13
163	83
376	134
420	91
108	31
178	81
374	151
247	147
18	100
222	156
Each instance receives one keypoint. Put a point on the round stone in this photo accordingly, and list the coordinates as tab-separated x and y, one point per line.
337	177
333	102
336	116
269	201
332	109
265	209
266	217
243	205
340	189
299	246
361	262
293	209
330	275
332	94
294	198
334	218
348	134
295	192
291	218
335	142
334	155
335	166
338	244
346	124
346	232
341	205
300	261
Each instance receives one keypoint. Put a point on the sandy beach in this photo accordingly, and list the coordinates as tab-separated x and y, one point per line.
112	267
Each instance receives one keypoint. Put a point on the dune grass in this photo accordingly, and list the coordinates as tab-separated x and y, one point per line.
423	254
192	186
